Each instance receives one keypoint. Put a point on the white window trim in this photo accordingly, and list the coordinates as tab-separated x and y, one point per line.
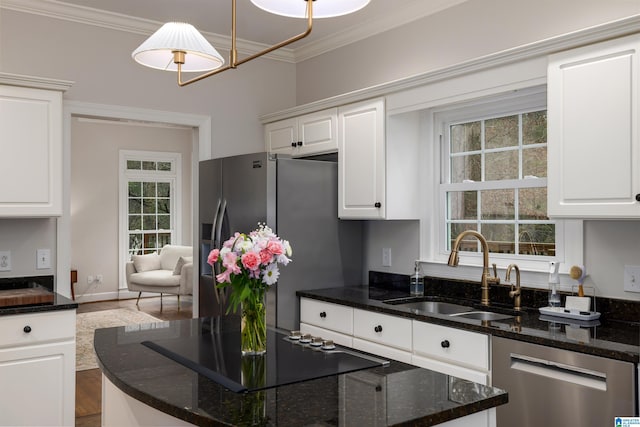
434	256
174	177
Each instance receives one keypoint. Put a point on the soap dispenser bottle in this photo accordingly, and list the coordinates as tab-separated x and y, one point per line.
416	285
554	297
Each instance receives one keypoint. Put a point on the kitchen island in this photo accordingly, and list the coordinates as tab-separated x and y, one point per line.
142	386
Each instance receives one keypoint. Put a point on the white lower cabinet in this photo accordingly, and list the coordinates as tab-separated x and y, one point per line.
327	320
37	369
381	334
451	351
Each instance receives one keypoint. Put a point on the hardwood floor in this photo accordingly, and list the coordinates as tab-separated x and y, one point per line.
89	382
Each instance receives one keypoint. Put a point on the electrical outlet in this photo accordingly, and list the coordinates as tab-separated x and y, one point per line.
43	259
5	261
89	280
99	278
632	278
386	257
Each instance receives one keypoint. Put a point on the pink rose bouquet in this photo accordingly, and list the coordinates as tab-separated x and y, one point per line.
249	264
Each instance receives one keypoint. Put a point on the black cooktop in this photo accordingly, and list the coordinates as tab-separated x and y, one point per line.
217	356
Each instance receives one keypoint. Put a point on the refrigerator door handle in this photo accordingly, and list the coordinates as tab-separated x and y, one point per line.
221	294
214	235
215	242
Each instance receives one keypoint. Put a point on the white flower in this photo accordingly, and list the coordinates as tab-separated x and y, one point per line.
282	259
270	274
287	248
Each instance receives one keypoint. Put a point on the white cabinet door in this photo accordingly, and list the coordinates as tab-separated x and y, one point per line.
327	334
318	133
31	147
593	140
282	137
326	315
37	369
361	160
310	134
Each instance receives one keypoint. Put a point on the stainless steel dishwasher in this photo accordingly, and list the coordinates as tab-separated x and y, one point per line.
552	387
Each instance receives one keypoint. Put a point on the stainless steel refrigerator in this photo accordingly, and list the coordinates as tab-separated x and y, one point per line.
298	199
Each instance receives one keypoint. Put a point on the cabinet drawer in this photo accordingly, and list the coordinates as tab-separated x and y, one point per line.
382	329
327	315
336	337
451	345
382	350
42	327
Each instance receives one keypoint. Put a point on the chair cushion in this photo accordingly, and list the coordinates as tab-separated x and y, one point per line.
156	278
146	262
181	262
170	253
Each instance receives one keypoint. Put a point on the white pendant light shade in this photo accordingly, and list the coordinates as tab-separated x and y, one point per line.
321	8
157	51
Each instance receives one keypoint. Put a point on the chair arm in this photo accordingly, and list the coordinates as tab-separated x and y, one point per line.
129	269
186	279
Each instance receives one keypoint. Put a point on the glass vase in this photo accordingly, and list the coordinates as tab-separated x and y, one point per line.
253	334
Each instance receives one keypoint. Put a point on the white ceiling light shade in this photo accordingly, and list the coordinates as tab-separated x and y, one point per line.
159	49
321	8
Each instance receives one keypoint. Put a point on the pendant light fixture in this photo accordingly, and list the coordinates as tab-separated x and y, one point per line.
181	48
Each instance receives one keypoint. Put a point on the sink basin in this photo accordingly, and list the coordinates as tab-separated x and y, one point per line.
433	307
482	315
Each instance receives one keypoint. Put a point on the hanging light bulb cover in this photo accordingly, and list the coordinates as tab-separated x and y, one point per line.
321	8
158	51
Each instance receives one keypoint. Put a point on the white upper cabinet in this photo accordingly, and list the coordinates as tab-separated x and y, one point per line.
31	146
307	135
378	163
594	145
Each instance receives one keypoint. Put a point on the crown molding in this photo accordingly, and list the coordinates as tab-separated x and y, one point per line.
34	82
401	16
119	22
598	33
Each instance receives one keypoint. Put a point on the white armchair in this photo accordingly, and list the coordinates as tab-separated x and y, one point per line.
171	272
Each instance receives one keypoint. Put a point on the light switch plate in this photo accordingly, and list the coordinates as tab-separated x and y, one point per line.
43	260
5	260
386	257
632	278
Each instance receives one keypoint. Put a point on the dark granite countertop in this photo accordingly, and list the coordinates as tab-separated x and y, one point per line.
410	395
41	286
59	303
611	339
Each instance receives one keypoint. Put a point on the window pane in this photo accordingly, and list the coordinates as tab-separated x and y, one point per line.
498	204
134	164
149	222
150	241
164	222
135	243
164	205
501	132
149	189
466	168
149	206
135	189
149	166
135	222
538	239
501	165
164	239
532	203
463	205
534	128
465	137
469	244
164	189
135	205
500	237
164	166
534	162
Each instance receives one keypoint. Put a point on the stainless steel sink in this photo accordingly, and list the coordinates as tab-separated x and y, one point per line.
433	307
482	315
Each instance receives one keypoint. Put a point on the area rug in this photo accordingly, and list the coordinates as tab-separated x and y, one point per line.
86	323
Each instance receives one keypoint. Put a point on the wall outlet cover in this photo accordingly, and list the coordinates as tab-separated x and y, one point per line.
5	260
43	259
386	257
632	278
